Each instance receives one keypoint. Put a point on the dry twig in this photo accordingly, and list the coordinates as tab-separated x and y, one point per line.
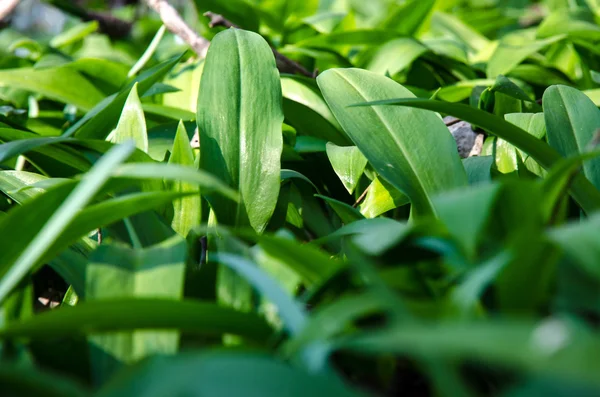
7	7
173	21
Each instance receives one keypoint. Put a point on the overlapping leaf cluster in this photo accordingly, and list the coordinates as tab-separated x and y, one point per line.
325	238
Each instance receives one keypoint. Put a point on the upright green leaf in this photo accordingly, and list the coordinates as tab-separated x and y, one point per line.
399	144
132	124
381	197
572	120
240	119
187	210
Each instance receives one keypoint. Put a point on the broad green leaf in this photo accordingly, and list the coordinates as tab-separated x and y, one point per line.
223	374
582	190
187	210
381	197
395	142
119	272
395	56
510	53
62	217
132	124
241	139
572	120
62	84
141	313
306	110
348	163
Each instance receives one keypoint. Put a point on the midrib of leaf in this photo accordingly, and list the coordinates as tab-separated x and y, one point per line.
395	139
241	129
579	145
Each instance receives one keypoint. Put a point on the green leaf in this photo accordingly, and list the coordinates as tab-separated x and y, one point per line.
62	84
579	240
292	313
582	190
511	53
306	110
478	169
139	65
465	213
381	197
351	37
576	23
395	56
132	124
187	210
62	217
241	139
174	172
407	18
572	120
523	346
222	374
347	213
141	313
116	272
399	151
99	121
310	263
36	211
348	163
74	34
373	236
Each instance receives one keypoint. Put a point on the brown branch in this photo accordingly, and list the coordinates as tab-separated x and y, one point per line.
284	64
362	196
173	21
7	7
